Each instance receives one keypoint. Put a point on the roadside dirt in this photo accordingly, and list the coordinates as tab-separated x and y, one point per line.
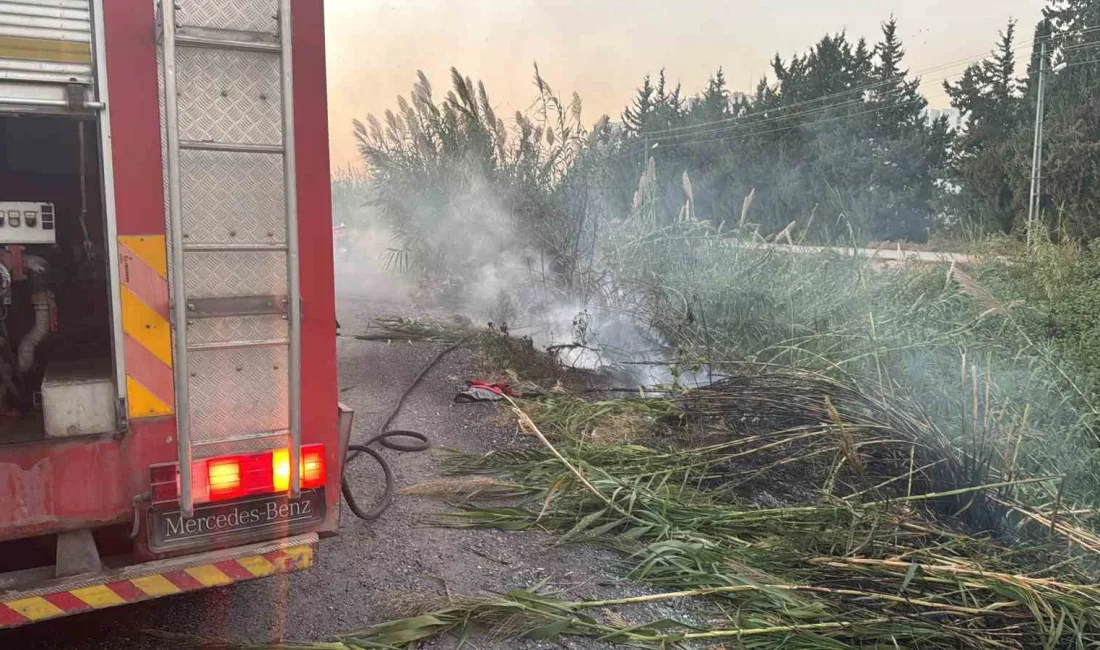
358	574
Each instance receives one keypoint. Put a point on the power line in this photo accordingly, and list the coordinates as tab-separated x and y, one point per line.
864	88
733	138
822	109
785	128
764	118
1081	46
749	121
786	116
743	136
804	102
1077	63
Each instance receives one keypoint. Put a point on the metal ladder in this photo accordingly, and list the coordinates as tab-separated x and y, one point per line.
236	314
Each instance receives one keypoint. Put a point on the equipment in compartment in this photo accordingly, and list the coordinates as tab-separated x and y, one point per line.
54	322
30	273
78	398
27	223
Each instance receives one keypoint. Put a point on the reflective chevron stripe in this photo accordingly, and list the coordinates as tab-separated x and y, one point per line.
148	335
23	608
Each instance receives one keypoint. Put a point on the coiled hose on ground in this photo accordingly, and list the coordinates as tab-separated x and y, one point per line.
385	438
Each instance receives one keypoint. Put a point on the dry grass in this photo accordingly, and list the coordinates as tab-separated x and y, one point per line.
620	428
980	294
878	533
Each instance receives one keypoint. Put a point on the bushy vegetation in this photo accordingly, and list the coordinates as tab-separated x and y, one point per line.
976	348
457	186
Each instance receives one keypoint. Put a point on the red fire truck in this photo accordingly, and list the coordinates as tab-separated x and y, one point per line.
168	400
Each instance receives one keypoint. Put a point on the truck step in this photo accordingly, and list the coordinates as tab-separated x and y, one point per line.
149	580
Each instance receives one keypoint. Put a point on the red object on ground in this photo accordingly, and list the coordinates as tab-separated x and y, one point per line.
500	387
483	391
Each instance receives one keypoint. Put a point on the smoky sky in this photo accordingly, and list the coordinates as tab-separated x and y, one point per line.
601	48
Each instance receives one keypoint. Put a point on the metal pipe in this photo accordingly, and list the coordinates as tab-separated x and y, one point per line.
199	145
223	445
292	272
37	270
233	248
82	137
179	288
43	305
59	103
227	44
239	345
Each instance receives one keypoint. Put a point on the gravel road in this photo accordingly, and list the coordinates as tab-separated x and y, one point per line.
357	574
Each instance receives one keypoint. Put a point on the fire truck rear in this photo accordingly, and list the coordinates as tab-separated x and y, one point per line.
168	401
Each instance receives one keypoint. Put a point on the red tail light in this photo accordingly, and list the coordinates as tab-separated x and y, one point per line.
233	477
311	475
313	467
224	479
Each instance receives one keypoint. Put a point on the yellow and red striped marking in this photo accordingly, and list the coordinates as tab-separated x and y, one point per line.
148	344
24	609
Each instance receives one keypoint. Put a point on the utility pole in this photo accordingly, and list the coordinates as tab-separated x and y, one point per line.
1037	149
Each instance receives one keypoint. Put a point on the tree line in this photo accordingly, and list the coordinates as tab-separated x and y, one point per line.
840	140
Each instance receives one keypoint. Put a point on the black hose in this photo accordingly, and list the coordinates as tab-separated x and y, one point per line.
384	438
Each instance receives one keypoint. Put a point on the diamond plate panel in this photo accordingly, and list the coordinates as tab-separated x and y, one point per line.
237	392
237	395
243	15
252	445
224	274
231	197
229	96
238	328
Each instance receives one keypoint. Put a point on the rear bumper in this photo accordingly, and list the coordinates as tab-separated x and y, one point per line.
149	580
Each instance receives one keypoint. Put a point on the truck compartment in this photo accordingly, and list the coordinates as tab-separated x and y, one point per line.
56	373
148	442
